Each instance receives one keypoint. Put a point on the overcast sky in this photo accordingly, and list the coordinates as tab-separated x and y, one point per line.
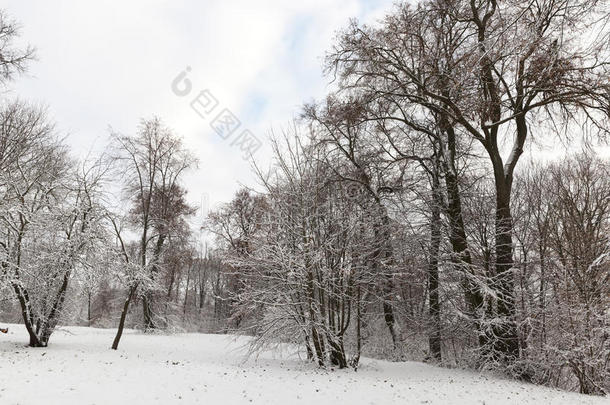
110	63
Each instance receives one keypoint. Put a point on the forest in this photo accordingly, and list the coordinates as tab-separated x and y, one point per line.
405	216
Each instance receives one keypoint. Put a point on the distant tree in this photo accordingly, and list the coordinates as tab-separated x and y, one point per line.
565	268
235	225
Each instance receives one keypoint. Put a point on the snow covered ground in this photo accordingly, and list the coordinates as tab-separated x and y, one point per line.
79	368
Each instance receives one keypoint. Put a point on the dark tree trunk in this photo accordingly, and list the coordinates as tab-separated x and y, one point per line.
318	342
383	260
41	333
457	235
337	353
308	348
186	291
388	316
149	324
28	319
201	295
359	314
148	298
506	343
119	332
89	309
217	299
171	285
434	340
318	345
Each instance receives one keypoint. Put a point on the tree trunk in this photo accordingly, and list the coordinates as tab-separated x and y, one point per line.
171	285
506	344
89	308
337	353
148	298
149	324
119	333
383	259
201	294
28	319
186	291
317	340
457	236
434	340
359	314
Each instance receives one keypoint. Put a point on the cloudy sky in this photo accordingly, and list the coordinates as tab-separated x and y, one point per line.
107	64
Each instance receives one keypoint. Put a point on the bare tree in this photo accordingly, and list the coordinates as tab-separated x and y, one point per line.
370	173
12	60
236	224
51	219
154	161
561	226
486	69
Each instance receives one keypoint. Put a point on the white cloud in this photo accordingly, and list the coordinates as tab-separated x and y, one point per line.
111	62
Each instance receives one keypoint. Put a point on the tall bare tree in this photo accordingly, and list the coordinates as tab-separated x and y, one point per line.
486	69
154	162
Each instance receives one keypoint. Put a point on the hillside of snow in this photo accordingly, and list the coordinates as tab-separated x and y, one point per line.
79	368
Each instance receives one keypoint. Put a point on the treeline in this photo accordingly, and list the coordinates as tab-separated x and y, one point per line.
397	203
85	241
341	268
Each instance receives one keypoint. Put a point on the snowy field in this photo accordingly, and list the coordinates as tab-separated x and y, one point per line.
79	368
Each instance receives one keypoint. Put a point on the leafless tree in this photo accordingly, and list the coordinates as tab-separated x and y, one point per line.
154	161
51	219
485	70
12	60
